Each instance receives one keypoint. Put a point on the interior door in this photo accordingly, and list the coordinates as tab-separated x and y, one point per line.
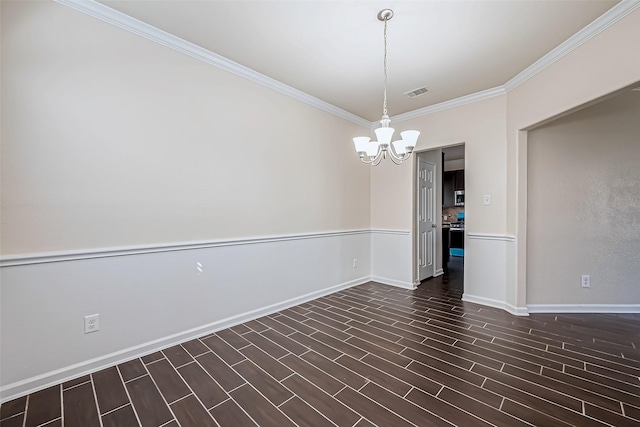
426	219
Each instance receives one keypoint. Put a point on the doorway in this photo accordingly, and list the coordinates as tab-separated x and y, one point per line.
436	214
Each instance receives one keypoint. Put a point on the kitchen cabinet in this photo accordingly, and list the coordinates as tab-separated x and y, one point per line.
458	182
445	247
452	181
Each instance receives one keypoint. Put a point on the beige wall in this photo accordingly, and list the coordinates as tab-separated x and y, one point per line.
584	205
109	139
481	126
605	63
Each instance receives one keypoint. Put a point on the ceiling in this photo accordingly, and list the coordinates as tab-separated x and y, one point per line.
333	50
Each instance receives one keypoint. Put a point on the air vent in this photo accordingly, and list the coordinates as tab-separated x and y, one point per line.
417	92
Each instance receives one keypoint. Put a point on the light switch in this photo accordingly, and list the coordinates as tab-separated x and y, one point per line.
486	200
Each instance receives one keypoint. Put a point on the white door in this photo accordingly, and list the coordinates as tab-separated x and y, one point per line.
426	219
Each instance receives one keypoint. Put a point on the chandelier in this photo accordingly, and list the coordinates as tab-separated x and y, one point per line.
373	152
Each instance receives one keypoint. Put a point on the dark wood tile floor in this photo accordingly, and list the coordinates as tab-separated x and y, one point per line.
372	355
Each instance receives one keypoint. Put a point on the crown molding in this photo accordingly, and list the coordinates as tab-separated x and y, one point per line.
128	23
463	100
600	24
135	26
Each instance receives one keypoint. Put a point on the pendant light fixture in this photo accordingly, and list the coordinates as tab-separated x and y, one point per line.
373	152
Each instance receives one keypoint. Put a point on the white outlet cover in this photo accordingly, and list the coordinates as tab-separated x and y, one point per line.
91	323
486	199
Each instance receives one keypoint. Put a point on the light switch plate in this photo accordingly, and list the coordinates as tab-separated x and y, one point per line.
486	199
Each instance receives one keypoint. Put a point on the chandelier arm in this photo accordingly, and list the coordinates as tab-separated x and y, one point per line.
399	157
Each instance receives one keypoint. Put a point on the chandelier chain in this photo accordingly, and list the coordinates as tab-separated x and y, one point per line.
384	105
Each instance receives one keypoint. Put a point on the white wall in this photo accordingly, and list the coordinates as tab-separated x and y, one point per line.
123	164
584	206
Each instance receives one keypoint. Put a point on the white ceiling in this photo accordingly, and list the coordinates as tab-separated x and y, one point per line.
333	50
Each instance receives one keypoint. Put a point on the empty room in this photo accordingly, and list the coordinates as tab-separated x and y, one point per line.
319	213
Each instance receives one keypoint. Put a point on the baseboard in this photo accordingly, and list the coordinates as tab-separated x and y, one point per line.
439	272
517	311
393	282
583	308
30	385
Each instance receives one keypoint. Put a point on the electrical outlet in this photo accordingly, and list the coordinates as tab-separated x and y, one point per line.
586	281
486	200
91	323
355	263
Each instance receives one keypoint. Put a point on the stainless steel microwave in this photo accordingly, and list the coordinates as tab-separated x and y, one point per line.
459	198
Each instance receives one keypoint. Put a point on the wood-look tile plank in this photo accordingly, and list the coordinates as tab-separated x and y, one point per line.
576	378
276	326
44	406
608	416
195	347
403	374
373	348
632	411
123	417
331	408
109	389
80	407
485	412
530	415
268	364
259	408
13	421
530	398
266	345
240	329
374	412
153	357
264	383
284	342
207	390
444	356
339	345
13	407
294	324
77	381
177	355
132	369
190	413
319	320
220	371
314	344
148	403
256	326
423	414
233	339
169	382
337	371
562	387
304	415
454	370
458	384
229	414
223	350
375	375
313	374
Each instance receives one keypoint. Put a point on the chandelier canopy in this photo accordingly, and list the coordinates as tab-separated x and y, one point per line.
373	152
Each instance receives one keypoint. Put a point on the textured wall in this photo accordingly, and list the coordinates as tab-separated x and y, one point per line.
584	206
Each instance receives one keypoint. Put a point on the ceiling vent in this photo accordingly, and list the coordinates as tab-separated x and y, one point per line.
417	92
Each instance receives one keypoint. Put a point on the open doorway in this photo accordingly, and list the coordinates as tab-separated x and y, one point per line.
443	235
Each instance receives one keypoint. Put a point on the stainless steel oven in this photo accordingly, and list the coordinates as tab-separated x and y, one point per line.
459	197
